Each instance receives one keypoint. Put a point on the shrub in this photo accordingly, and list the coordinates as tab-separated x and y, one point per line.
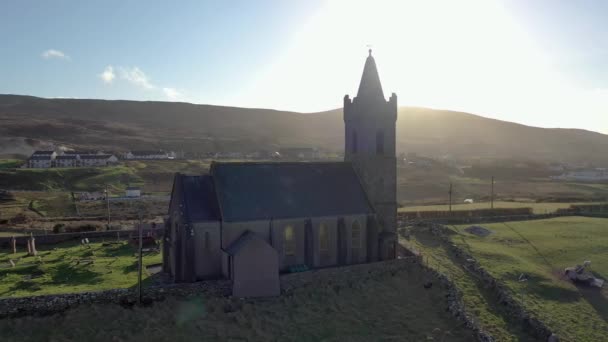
87	227
59	228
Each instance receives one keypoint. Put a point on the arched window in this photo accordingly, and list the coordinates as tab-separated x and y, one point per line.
323	238
289	241
380	142
355	236
354	142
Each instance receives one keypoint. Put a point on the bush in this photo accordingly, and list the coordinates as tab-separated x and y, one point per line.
87	227
19	219
59	228
6	196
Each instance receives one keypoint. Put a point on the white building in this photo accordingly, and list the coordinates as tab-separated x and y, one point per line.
133	192
91	160
146	155
584	176
41	159
67	161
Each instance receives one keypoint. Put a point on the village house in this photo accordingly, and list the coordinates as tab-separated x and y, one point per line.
249	221
41	159
67	161
92	160
148	155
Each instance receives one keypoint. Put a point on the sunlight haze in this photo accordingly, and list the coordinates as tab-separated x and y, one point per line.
485	57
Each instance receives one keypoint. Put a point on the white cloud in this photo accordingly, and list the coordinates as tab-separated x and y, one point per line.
52	53
173	94
108	75
136	77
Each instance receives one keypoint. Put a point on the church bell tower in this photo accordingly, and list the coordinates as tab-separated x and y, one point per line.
370	130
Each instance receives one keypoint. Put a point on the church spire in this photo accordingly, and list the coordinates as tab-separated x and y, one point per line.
370	86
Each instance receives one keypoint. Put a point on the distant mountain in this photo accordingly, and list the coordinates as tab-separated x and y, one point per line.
29	122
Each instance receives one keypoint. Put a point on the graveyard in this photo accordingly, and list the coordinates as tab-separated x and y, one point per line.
72	267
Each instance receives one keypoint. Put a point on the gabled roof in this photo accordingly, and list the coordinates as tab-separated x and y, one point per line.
257	191
200	202
67	157
40	157
370	86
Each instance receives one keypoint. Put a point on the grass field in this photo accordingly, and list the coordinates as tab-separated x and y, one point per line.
537	208
154	176
542	249
69	267
390	308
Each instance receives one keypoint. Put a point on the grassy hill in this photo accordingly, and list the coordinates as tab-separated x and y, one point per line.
121	125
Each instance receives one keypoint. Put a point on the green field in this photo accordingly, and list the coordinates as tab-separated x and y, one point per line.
541	249
69	267
154	176
537	208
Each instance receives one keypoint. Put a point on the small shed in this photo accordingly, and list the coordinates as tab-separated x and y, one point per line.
253	266
133	192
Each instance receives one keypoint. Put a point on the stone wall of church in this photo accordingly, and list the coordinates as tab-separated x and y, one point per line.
207	250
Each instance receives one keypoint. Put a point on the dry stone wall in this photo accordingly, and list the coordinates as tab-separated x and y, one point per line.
515	309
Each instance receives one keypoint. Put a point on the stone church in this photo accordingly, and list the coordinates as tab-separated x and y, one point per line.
250	221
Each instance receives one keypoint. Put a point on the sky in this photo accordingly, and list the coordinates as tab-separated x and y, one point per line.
542	63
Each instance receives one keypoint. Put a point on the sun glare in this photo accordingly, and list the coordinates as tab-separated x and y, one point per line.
466	55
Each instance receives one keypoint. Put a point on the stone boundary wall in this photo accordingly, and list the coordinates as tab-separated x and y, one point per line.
531	324
337	277
473	213
490	219
50	239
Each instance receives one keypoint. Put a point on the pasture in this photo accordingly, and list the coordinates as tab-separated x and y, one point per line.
540	249
537	208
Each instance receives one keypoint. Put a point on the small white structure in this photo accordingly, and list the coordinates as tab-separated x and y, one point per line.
133	192
469	201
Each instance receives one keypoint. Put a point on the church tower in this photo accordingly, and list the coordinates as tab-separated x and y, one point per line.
370	129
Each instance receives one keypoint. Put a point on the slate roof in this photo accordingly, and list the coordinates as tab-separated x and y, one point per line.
95	156
257	191
38	153
40	157
200	203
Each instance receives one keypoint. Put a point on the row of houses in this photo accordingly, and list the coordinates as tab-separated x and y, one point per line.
49	159
148	155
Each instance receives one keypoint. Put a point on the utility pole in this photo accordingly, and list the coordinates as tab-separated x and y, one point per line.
492	194
141	266
450	192
108	202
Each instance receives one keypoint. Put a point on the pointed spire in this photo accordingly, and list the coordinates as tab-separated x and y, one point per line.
370	86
